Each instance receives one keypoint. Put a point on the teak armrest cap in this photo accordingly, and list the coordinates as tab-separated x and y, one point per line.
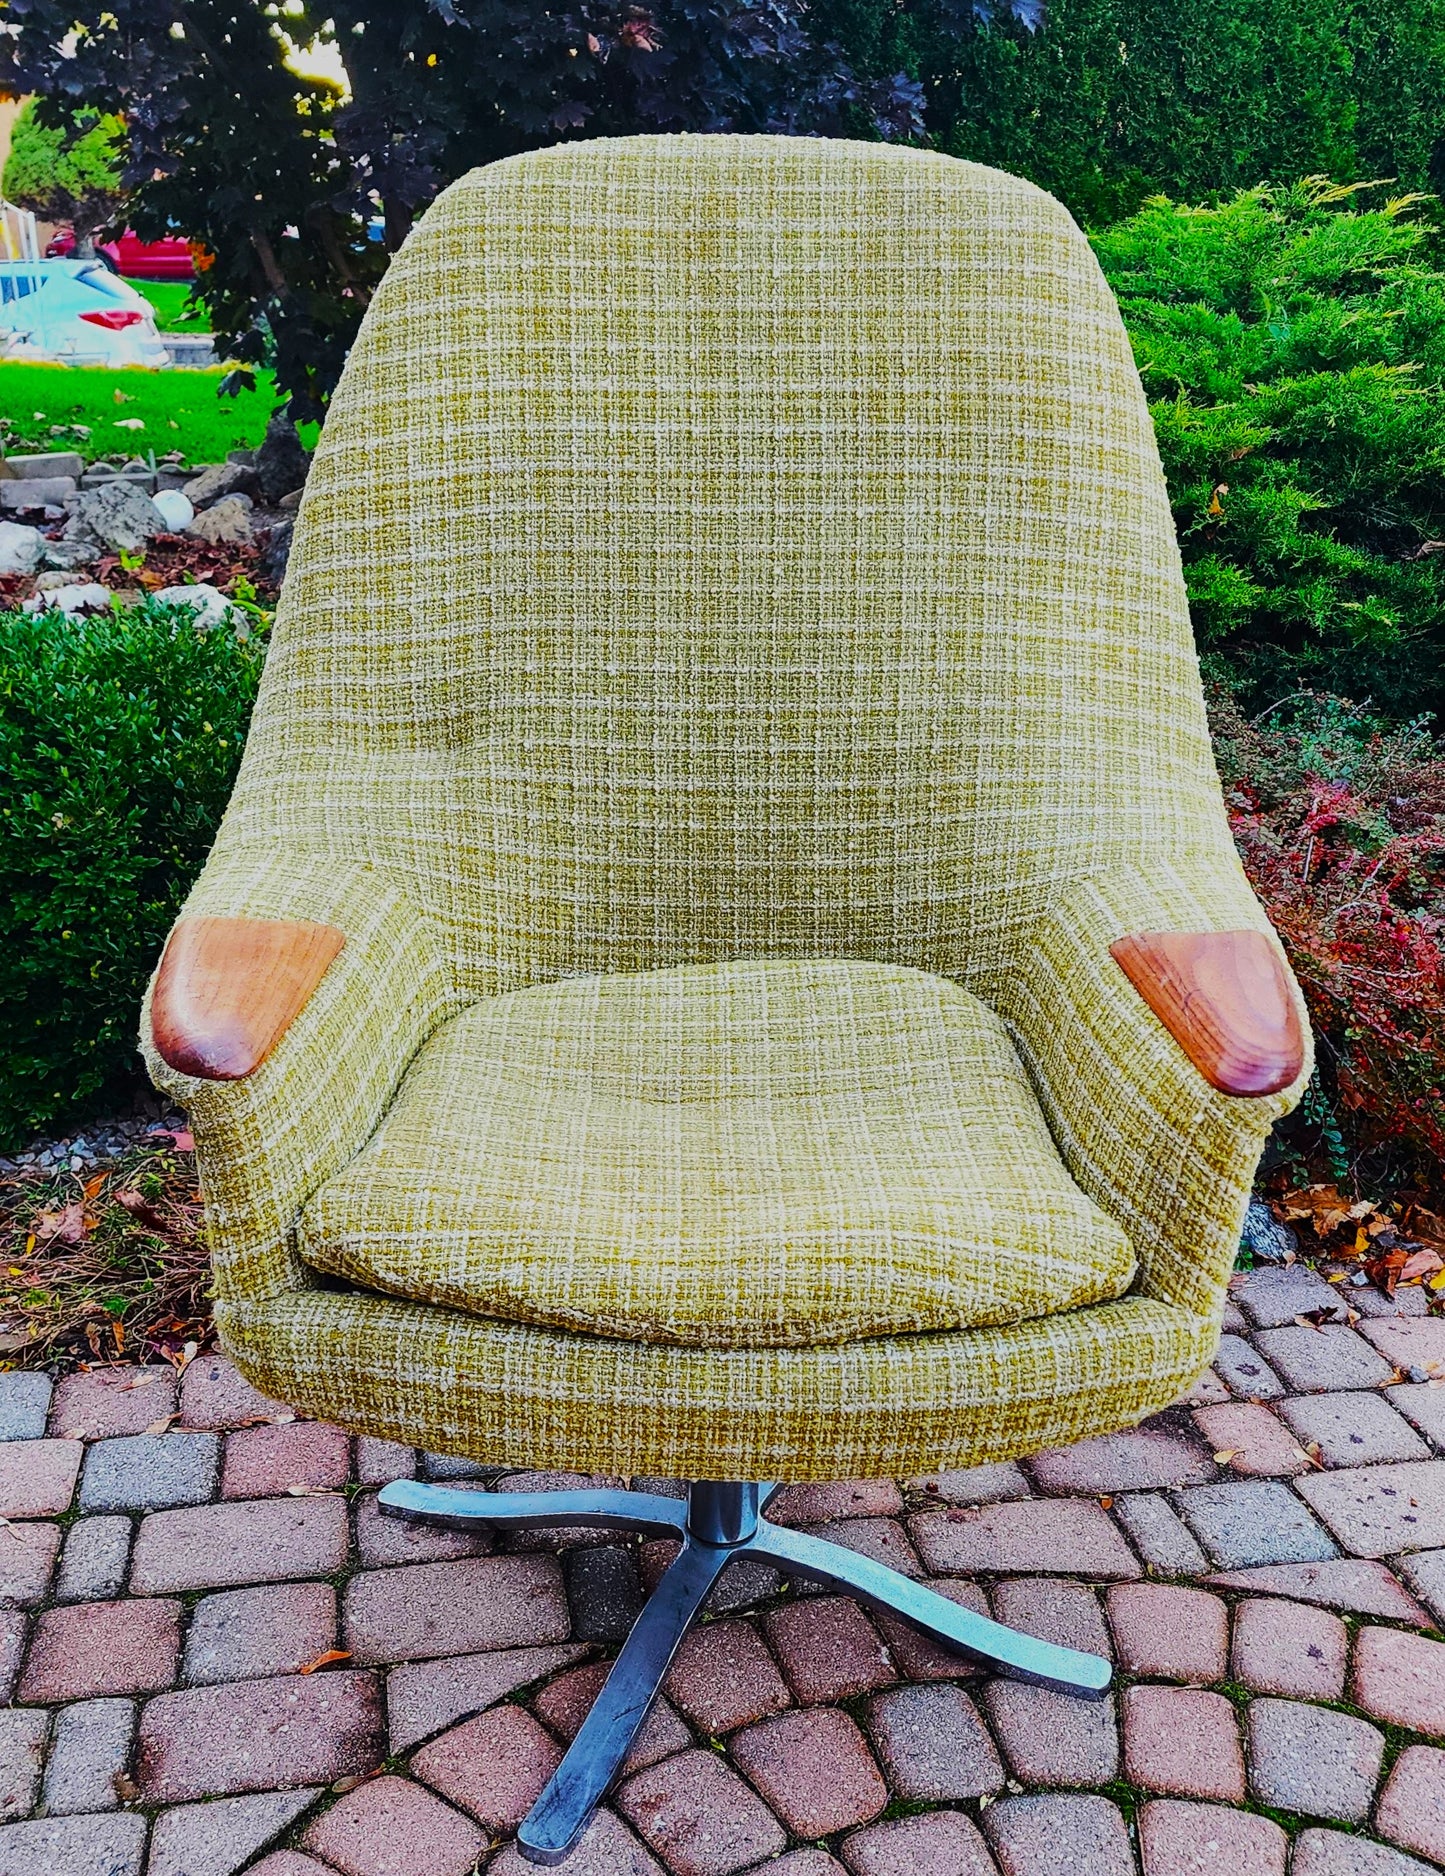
1225	999
229	988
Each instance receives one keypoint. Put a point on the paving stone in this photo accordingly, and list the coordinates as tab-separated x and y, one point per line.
1342	1583
1067	1614
1423	1405
90	1648
808	1863
1375	1510
1400	1678
1277	1295
92	1566
1059	1836
973	1485
391	1827
379	1462
828	1649
564	1703
381	1540
814	1769
1407	1345
1411	1811
1313	1361
219	1837
258	1736
1068	1535
724	1677
1159	1535
1359	1429
918	1657
89	1750
74	1846
1183	1742
1052	1738
493	1766
427	1609
939	1843
1259	1445
257	1540
253	1634
215	1394
699	1816
264	1462
150	1472
1333	1853
606	1848
24	1404
104	1403
882	1539
1234	1321
933	1744
27	1563
1289	1648
1245	1371
37	1477
289	1863
424	1697
559	1536
1425	1572
22	1744
1206	1390
1180	1839
1253	1521
806	1503
605	1591
1311	1760
12	1645
1141	1459
1169	1634
743	1582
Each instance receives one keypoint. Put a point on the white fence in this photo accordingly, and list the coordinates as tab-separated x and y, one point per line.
17	233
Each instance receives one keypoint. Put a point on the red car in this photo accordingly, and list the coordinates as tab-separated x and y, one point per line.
170	259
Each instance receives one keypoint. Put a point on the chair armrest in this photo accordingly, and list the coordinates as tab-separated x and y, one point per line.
1225	998
1167	1154
228	989
324	1075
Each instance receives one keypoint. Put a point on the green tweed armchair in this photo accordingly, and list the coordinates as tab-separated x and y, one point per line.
725	959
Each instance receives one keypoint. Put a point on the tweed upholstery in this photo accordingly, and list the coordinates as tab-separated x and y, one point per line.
758	1154
723	549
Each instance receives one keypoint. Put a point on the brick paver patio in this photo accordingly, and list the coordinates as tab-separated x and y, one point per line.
218	1658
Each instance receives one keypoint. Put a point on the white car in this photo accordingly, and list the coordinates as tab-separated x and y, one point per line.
76	312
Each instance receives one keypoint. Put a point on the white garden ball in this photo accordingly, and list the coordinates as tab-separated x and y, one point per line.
176	510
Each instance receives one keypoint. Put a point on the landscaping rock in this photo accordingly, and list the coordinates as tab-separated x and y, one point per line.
72	599
119	516
217	482
178	510
276	553
1264	1237
281	462
207	604
36	492
20	548
51	462
224	523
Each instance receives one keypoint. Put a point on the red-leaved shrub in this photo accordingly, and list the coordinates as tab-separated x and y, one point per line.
1340	822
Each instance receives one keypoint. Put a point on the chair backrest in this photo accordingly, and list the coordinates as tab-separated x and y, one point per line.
730	546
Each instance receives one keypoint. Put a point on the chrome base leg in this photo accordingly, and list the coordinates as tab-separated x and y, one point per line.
718	1522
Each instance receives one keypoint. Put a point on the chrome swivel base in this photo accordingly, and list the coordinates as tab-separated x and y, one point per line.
715	1523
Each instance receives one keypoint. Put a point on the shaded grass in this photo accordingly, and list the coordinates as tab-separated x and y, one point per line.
40	405
171	299
106	1266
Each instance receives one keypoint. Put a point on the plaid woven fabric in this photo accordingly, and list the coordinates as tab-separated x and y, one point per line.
725	549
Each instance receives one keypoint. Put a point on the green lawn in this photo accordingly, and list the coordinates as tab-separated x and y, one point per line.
171	298
176	409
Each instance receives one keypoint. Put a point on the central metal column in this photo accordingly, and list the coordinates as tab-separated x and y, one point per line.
722	1511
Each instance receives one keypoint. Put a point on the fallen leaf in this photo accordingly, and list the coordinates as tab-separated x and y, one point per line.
143	1212
162	1425
92	1186
1223	1459
63	1227
1422	1264
325	1660
350	1782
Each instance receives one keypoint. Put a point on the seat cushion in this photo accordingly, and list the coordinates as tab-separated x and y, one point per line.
753	1154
